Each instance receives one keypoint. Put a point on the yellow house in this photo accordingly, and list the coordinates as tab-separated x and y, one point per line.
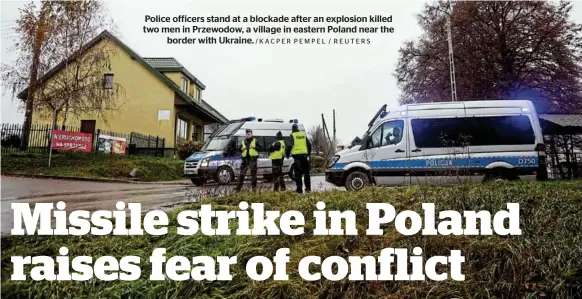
161	98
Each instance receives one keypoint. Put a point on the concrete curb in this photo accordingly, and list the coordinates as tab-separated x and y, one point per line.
102	180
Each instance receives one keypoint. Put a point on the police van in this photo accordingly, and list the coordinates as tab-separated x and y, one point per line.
219	159
440	142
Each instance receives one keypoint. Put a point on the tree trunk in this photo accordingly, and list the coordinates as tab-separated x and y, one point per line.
65	114
39	40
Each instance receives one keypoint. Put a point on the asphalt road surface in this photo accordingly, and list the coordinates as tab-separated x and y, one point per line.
83	195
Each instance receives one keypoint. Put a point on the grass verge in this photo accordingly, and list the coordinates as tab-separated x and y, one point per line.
83	165
546	261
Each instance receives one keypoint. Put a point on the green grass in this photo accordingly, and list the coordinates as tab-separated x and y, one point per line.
94	166
546	261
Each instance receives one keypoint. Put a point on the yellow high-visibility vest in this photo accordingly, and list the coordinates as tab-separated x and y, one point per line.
299	143
278	155
251	151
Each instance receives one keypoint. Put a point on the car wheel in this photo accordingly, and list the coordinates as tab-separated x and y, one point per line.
198	182
224	175
357	180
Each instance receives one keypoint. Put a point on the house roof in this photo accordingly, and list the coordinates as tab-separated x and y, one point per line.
203	106
170	64
561	123
564	120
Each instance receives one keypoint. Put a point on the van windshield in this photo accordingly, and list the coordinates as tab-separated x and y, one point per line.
216	144
228	129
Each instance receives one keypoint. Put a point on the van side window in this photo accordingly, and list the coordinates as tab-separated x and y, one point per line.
501	130
375	139
475	131
390	133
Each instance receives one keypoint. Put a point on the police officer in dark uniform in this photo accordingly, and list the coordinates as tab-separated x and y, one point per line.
249	154
300	149
277	154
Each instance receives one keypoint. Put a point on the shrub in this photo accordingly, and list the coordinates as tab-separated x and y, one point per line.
11	141
317	162
187	147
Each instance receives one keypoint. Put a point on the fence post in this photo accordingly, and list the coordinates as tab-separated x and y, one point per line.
96	140
157	140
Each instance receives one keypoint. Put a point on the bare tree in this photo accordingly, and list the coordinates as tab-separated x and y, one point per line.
77	83
317	138
320	143
35	29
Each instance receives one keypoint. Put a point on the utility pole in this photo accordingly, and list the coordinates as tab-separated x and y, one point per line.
39	36
334	140
326	134
451	57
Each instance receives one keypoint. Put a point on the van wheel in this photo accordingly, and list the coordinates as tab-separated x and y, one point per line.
224	175
499	175
198	182
357	180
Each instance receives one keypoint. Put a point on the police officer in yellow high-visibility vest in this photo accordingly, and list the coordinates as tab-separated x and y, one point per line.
249	155
300	149
277	155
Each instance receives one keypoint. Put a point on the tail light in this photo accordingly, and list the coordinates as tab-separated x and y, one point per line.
540	147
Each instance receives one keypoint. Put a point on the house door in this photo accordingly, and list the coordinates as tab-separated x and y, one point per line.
88	126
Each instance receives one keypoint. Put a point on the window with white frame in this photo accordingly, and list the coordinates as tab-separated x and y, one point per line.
182	129
185	84
197	95
108	81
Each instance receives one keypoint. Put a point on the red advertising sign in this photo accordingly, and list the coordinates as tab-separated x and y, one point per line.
72	141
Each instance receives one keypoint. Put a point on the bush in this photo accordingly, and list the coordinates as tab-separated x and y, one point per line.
317	162
11	141
188	147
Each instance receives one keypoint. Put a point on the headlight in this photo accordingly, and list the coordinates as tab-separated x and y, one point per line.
204	162
332	161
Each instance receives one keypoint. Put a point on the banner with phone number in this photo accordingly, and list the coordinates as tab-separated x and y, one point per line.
72	141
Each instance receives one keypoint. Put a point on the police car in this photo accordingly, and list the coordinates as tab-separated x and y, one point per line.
439	142
218	160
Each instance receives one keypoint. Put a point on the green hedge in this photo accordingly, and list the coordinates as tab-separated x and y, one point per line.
94	166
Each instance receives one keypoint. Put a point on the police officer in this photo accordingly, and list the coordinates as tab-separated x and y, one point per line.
300	149
249	153
277	154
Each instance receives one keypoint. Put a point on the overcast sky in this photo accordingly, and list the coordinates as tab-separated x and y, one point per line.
270	81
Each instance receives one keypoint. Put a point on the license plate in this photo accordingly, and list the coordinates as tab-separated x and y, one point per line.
192	171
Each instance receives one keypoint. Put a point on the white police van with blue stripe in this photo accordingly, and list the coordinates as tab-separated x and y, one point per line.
219	161
438	142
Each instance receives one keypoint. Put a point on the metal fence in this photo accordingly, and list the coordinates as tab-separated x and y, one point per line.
12	136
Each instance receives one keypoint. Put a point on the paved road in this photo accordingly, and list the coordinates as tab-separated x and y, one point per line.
83	195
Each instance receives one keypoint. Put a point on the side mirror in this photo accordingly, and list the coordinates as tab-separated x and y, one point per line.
365	143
